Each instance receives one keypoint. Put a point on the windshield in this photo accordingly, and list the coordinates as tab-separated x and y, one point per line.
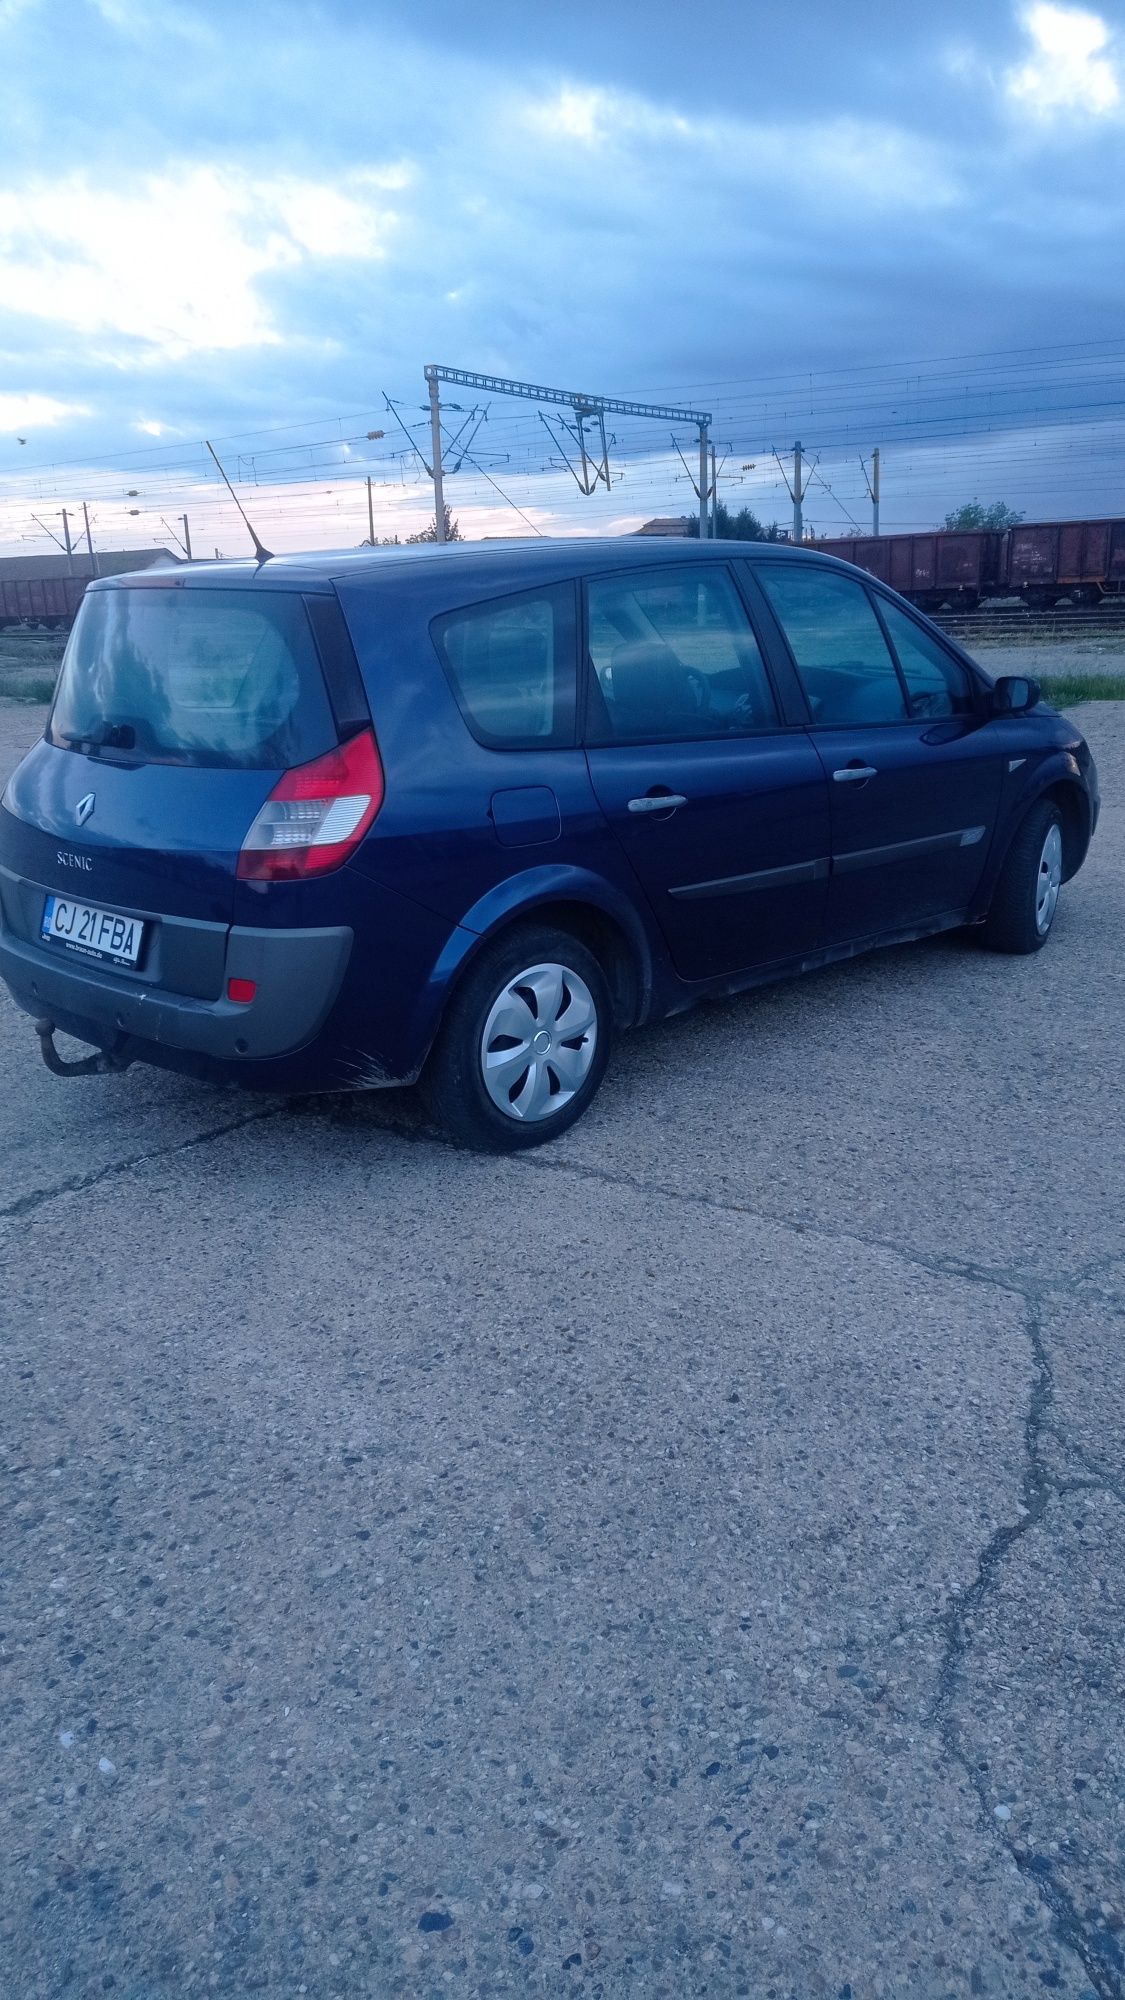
182	676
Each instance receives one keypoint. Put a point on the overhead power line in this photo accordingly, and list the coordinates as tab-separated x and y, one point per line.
1044	427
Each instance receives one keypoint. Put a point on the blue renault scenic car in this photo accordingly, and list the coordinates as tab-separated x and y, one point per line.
462	814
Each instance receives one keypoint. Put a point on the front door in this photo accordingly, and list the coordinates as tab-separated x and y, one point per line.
914	772
721	808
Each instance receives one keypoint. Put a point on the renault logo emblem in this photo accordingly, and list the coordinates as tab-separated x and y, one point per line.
84	808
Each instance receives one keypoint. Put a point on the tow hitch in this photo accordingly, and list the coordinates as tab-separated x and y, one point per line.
103	1062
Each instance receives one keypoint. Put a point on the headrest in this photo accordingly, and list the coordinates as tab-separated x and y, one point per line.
651	688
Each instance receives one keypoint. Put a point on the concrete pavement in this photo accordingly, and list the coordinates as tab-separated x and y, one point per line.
684	1560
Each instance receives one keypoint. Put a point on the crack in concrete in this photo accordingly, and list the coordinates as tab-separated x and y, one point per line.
1038	1486
1099	1479
1105	1968
938	1266
26	1204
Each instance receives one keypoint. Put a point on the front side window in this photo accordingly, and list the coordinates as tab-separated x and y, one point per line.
936	683
837	643
512	665
675	657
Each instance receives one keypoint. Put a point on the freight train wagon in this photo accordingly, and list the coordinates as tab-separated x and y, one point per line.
47	603
1039	561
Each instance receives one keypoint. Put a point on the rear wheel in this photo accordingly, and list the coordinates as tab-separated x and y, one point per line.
524	1044
1027	894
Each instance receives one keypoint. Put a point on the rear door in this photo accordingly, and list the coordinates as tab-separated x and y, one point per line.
914	772
177	710
719	803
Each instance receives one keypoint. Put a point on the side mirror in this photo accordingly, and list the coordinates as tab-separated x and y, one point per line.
1015	694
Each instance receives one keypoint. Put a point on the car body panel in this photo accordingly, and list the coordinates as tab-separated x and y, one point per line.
159	837
911	841
737	876
436	838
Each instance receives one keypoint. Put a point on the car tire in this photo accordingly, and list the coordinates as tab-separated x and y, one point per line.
505	1073
1026	895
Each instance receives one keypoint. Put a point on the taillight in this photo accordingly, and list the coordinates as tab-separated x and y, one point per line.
316	815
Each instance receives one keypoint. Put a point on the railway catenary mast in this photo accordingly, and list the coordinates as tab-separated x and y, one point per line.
592	465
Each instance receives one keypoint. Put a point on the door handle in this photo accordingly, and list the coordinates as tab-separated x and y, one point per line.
656	802
855	774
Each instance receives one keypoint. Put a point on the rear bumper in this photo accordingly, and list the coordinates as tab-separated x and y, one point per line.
298	975
350	1003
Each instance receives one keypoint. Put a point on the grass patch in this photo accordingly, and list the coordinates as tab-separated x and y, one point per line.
1064	690
1061	690
27	684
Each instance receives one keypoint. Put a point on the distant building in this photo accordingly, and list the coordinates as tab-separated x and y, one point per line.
111	562
667	524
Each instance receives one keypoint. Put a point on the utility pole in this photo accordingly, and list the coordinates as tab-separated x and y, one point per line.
703	482
65	545
183	541
871	480
370	514
89	540
795	487
435	440
714	494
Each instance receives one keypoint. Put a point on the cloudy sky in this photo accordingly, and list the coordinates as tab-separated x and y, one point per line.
250	222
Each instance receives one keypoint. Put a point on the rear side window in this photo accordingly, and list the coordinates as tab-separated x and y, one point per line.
221	678
936	683
835	638
512	664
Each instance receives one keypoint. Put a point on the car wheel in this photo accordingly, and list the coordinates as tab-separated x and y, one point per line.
1027	894
524	1043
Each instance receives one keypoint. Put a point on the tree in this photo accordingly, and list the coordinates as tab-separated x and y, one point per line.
741	527
429	534
975	515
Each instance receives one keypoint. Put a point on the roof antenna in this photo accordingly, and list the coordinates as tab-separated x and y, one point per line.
260	550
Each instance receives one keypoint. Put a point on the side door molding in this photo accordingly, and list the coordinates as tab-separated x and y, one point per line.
856	858
761	878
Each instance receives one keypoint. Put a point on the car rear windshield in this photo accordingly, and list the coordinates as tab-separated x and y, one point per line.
178	676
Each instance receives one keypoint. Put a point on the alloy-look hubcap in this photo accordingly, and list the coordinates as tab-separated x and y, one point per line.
538	1042
1050	877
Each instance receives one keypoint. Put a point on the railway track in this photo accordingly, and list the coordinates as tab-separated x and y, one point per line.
1003	624
1017	626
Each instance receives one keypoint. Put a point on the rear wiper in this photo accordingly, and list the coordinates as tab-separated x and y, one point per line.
112	736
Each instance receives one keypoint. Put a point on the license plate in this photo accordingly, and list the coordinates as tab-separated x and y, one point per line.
95	933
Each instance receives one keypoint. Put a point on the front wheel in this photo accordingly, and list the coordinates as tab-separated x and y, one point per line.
524	1043
1027	893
